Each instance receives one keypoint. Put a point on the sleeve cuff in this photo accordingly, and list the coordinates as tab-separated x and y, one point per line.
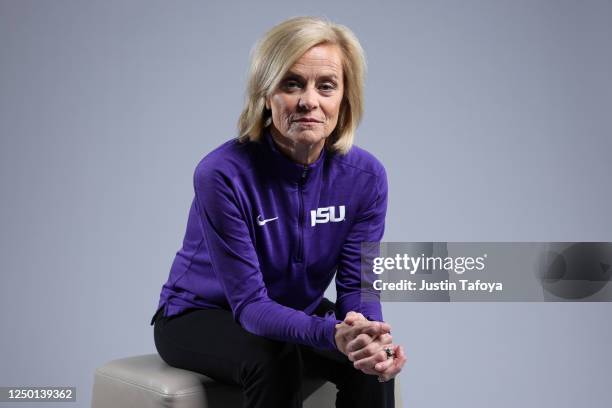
329	328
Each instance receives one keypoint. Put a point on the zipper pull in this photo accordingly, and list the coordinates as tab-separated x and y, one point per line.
304	173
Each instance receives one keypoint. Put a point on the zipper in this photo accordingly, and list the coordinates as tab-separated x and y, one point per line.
300	250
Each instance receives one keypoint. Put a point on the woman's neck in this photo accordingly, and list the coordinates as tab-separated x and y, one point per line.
298	152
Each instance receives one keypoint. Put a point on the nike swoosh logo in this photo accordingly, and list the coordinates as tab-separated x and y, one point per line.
261	222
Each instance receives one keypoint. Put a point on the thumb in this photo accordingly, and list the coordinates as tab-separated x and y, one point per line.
352	317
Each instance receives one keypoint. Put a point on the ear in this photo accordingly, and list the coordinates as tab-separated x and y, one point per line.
267	99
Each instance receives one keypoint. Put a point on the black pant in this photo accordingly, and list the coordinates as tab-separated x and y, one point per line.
269	372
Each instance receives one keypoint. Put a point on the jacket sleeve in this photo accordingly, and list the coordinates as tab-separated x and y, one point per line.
354	293
236	266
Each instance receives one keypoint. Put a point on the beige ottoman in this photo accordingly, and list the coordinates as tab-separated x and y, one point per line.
148	382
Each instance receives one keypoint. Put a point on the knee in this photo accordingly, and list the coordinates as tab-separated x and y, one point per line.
274	362
359	389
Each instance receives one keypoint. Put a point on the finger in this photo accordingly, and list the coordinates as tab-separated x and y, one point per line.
360	353
358	343
390	372
352	317
400	357
398	362
373	329
352	331
387	373
384	339
370	362
351	314
367	350
383	365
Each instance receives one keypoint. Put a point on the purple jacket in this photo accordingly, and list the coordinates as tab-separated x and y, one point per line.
265	236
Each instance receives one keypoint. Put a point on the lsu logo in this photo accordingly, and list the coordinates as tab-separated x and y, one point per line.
324	215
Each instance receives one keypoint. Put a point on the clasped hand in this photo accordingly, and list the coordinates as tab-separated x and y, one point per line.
364	343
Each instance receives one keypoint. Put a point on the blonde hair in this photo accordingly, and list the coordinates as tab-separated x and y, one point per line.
276	53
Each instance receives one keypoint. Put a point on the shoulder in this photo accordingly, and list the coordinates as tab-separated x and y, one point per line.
227	161
359	162
362	176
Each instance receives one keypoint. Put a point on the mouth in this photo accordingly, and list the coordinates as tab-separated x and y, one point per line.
307	120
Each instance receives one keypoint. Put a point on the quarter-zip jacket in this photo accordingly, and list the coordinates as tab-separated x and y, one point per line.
265	236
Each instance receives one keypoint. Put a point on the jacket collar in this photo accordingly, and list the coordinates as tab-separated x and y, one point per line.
287	168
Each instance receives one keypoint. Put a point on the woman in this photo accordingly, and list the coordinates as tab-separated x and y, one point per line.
276	213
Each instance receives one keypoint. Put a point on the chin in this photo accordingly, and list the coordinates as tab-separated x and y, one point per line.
308	136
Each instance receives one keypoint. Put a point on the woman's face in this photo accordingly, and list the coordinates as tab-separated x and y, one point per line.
306	103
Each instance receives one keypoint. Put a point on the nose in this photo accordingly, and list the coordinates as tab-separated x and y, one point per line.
308	99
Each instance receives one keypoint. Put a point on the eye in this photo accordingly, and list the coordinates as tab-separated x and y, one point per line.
291	84
327	86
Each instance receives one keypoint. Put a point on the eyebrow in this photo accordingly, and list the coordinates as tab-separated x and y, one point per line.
291	74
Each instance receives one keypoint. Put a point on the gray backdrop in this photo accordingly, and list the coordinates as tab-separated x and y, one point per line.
491	117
